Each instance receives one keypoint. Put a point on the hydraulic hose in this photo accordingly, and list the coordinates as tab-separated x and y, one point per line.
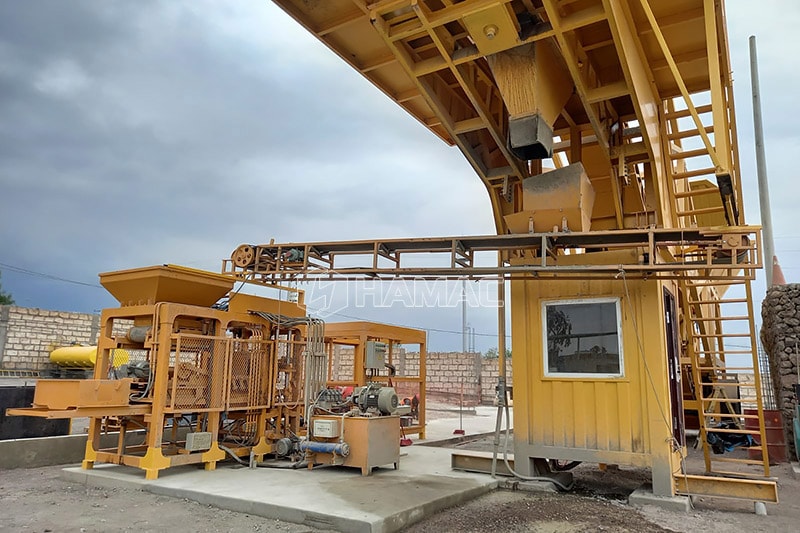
503	395
503	405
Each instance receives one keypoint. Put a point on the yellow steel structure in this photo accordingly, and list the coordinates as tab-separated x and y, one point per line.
639	93
232	377
408	382
619	258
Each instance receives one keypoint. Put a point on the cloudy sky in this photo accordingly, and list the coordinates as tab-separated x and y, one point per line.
139	133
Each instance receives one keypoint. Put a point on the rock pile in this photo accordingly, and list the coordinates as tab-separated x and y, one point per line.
780	335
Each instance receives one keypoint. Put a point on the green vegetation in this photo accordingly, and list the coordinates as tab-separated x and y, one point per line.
5	298
492	353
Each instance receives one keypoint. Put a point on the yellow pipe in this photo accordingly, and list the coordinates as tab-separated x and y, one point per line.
83	356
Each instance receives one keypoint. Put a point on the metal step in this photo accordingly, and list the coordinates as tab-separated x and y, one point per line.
685	134
686	113
708	171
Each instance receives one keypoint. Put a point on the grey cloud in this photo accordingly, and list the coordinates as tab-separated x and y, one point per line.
135	133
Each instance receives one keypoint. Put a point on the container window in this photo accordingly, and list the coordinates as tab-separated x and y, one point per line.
583	338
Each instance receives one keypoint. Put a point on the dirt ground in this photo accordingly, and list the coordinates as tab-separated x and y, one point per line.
38	500
612	487
509	511
598	504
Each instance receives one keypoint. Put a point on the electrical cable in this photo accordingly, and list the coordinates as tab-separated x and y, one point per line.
435	330
28	272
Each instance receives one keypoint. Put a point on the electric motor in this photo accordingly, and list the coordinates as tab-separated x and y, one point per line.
284	447
376	397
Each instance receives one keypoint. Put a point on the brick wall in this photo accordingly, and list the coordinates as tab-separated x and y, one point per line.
450	373
490	371
27	335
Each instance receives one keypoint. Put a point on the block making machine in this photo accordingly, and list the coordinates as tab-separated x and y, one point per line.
205	372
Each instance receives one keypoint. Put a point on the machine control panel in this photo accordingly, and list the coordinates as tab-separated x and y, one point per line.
375	356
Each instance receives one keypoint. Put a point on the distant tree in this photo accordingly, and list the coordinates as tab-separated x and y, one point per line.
492	353
558	330
5	298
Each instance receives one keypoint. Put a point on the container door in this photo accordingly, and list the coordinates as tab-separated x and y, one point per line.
673	358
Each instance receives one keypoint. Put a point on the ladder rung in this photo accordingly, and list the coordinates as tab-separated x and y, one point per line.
725	352
742	431
689	133
686	113
721	335
709	283
731	301
689	153
715	318
743	384
743	475
698	192
710	171
703	211
726	368
729	415
726	400
735	460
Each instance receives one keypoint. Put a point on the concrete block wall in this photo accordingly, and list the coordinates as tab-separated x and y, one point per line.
445	373
342	363
452	373
490	372
780	335
27	335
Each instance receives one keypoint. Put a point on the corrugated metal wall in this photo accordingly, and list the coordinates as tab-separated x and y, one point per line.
604	414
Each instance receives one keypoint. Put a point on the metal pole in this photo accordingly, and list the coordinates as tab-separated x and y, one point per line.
501	364
761	166
501	327
464	340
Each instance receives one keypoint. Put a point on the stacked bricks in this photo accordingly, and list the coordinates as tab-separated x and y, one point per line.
453	376
342	363
28	335
780	335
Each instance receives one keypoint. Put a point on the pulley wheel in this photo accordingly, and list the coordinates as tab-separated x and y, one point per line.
243	256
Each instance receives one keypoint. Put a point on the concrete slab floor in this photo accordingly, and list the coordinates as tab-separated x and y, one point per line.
325	498
480	419
796	470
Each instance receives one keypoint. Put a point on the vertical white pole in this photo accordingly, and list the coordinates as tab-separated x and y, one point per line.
761	166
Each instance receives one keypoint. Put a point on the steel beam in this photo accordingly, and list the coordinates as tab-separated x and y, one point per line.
670	254
480	462
739	489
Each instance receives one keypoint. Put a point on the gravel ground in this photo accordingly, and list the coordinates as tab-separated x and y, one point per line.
38	500
597	503
516	511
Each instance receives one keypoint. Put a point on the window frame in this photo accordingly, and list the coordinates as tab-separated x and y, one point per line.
572	375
